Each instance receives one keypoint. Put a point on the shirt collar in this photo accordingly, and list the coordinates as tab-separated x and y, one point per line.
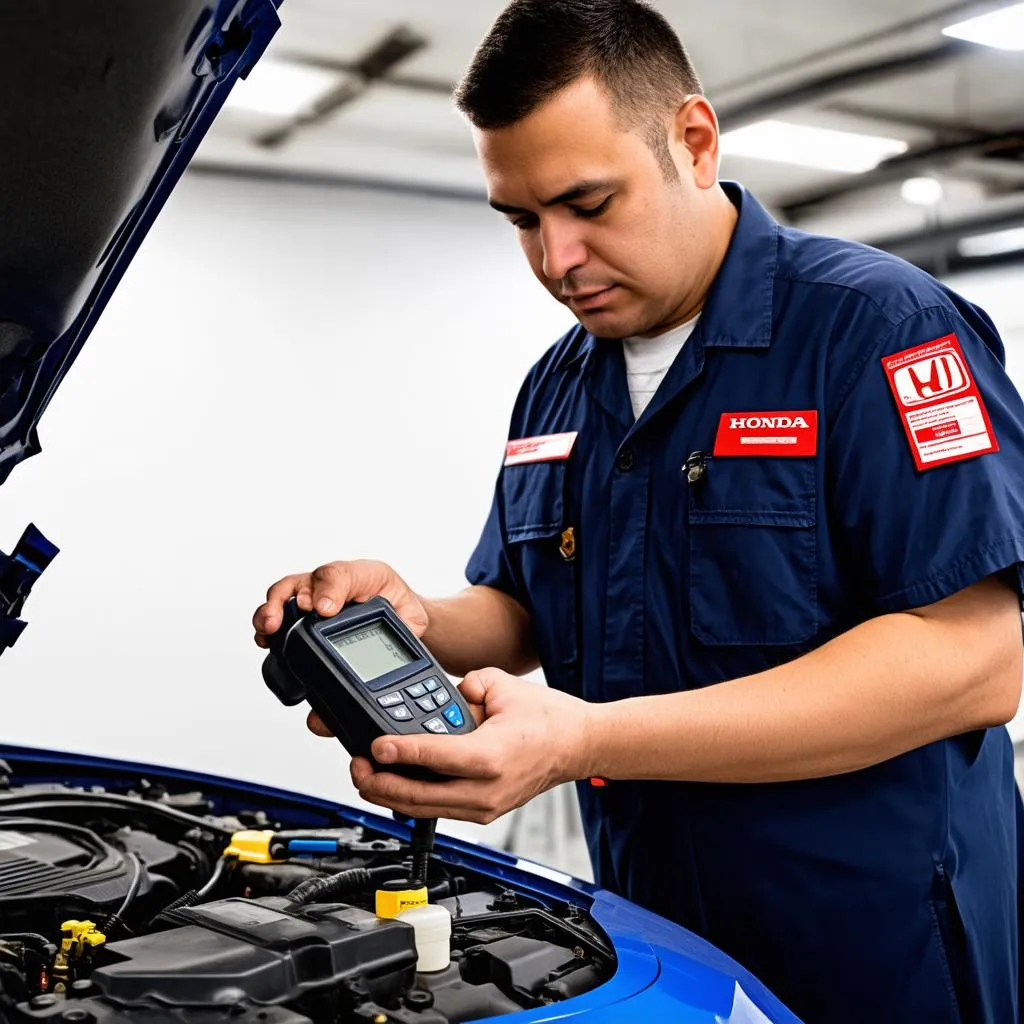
738	310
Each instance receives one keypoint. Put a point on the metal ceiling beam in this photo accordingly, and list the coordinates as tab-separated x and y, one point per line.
815	90
374	66
917	160
944	15
414	83
943	128
339	180
935	248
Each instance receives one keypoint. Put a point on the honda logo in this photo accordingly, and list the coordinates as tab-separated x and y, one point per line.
931	378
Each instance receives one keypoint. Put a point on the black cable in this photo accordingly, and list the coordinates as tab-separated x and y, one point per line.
319	890
114	921
193	896
453	883
446	889
218	873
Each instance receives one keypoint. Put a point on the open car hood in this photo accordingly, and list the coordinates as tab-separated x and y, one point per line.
104	104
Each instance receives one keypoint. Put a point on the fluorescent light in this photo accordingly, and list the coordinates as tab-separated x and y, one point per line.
280	88
1002	29
994	243
824	148
922	191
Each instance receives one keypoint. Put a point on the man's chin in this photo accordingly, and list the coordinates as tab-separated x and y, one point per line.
605	324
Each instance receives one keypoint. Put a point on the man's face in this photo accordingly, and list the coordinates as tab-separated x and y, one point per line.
605	229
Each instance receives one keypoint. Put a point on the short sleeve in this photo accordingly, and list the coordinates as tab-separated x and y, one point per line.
910	536
489	563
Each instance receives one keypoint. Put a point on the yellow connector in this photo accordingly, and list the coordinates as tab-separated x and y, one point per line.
77	935
251	847
391	904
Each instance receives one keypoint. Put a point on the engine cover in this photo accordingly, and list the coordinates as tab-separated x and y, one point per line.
259	951
52	871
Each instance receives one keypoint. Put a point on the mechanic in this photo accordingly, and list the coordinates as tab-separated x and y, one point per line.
761	522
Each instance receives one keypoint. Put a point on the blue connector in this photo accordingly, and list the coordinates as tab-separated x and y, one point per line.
312	846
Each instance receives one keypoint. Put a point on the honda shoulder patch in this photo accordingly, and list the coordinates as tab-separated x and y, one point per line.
767	433
942	410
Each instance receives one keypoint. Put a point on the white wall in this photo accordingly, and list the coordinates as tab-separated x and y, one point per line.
999	292
286	376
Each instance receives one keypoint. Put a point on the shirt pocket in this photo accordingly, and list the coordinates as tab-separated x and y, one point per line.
752	525
543	555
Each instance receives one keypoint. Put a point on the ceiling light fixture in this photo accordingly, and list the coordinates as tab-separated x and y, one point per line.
922	191
823	148
992	243
1002	29
282	88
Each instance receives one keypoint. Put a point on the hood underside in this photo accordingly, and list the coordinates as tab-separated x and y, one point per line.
104	104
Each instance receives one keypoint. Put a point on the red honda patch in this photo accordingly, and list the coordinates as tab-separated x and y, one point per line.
943	415
767	433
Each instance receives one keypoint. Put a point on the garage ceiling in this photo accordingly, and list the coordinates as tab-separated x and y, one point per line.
875	67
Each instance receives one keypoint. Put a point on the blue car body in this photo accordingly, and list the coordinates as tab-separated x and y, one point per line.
664	972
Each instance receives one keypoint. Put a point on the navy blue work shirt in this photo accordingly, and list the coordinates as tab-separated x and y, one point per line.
887	894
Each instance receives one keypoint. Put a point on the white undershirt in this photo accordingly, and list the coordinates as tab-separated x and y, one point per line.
648	360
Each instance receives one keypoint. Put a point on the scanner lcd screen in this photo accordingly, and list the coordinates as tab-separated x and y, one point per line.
372	650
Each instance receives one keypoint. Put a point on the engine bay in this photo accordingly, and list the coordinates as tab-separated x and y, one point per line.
135	902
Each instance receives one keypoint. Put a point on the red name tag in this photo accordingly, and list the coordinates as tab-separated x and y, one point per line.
548	448
767	433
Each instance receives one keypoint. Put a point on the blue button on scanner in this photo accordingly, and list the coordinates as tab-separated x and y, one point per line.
454	716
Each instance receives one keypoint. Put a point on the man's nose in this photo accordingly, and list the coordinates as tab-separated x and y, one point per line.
564	250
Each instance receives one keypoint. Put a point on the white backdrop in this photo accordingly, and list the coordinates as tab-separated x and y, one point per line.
286	375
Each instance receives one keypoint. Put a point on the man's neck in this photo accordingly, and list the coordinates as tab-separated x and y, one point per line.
722	221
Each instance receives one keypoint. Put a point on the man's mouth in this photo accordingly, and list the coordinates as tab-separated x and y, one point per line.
591	299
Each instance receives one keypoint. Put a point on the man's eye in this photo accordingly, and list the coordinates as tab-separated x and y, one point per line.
524	223
593	211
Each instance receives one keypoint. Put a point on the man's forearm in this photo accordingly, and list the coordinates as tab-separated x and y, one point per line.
479	628
888	686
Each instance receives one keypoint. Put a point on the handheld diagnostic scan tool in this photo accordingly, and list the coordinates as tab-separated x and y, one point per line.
366	674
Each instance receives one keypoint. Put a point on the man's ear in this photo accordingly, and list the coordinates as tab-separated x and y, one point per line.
694	141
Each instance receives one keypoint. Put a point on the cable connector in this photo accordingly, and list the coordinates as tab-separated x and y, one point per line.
423	830
251	846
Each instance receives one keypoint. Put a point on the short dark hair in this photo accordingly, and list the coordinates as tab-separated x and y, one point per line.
538	47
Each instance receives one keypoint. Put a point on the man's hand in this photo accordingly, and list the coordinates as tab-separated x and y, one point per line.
329	589
528	740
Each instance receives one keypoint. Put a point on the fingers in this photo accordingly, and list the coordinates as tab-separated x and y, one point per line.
316	725
330	587
462	799
466	757
327	587
268	616
477	685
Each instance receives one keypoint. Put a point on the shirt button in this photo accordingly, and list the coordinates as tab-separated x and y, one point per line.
626	461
